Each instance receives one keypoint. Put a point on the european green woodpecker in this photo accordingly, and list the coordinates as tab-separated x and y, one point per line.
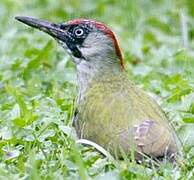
111	111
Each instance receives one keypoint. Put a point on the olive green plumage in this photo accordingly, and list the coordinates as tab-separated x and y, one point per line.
115	114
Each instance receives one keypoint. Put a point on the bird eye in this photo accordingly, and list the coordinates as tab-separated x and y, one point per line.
79	32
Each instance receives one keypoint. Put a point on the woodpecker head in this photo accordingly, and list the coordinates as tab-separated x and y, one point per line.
89	42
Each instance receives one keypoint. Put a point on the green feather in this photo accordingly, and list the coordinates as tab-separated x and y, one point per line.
115	113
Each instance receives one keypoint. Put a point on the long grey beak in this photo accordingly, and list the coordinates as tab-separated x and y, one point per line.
48	27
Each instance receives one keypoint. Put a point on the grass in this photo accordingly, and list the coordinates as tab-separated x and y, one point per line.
38	86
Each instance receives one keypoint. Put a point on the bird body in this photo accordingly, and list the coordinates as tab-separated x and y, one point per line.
111	110
117	114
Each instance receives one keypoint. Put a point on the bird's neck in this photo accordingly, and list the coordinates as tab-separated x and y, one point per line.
89	72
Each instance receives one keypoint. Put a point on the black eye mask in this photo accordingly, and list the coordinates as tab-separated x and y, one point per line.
75	51
73	41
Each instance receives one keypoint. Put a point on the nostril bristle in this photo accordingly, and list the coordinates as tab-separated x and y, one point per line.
63	26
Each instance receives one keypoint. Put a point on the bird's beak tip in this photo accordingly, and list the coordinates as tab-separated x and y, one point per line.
22	18
33	22
18	18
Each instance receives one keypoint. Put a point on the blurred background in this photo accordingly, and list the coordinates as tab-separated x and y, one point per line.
38	80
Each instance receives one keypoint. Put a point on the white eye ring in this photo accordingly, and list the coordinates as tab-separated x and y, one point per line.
79	32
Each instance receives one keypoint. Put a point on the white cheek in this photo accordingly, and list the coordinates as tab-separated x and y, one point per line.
65	47
77	60
63	44
69	51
